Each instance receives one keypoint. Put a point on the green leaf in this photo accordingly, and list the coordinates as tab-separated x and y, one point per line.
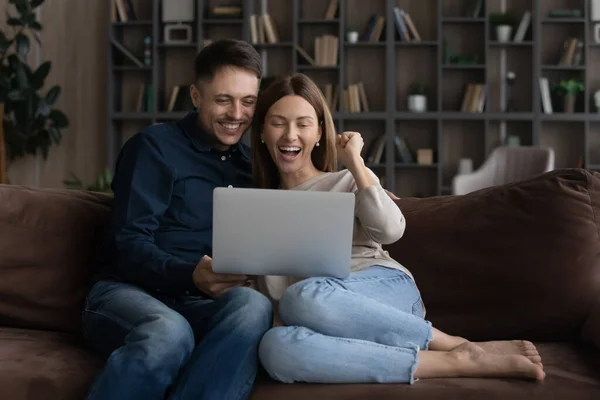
14	22
43	109
40	75
52	95
16	95
55	134
36	26
36	3
22	45
59	118
22	8
15	64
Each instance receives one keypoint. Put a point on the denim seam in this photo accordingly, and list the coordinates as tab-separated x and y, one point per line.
413	369
120	320
377	279
374	344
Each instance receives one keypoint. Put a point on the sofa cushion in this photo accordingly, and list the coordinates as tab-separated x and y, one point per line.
47	238
45	365
515	261
571	373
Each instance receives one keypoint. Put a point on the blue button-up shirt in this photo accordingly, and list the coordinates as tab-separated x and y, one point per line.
163	203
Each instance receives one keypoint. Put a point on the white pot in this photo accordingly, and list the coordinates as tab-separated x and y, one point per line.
417	103
352	36
503	33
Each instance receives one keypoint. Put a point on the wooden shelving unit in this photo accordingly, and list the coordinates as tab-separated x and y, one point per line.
387	68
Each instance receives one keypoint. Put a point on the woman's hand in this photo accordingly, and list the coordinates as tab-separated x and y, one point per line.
349	145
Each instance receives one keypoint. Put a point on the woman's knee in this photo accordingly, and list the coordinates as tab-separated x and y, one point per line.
280	352
304	302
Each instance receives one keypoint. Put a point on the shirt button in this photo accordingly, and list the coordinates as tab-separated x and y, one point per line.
223	158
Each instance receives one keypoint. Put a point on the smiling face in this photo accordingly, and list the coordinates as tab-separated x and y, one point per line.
226	104
291	130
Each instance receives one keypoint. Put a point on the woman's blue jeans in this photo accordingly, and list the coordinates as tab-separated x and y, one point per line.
366	328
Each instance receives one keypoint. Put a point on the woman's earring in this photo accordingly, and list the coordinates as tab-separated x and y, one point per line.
318	144
262	140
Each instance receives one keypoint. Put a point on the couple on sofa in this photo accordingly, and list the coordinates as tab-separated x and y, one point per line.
171	328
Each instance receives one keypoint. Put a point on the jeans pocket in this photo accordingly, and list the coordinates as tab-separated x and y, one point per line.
417	308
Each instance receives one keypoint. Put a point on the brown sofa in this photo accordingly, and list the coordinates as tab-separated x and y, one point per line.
517	261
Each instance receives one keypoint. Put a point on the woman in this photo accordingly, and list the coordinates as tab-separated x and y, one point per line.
369	327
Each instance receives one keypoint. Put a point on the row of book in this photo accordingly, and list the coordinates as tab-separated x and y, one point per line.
179	99
572	53
474	97
263	29
354	97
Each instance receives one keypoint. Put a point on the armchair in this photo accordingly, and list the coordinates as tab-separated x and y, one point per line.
505	164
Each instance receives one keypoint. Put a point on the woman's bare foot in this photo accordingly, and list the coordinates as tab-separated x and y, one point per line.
470	360
512	347
443	342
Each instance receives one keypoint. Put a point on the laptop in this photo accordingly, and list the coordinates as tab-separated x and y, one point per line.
282	232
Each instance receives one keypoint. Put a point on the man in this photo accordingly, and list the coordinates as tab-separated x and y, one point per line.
172	328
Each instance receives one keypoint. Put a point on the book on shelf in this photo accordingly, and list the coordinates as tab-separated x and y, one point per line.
180	99
225	11
474	97
123	11
572	46
375	154
474	8
145	99
326	50
355	98
332	9
375	29
305	55
545	95
330	94
263	29
405	27
523	27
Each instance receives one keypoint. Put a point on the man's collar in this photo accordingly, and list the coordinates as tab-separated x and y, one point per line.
198	136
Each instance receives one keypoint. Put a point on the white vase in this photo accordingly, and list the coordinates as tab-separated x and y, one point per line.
417	103
503	33
352	36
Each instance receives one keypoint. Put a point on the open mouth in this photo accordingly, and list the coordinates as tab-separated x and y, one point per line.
231	126
290	152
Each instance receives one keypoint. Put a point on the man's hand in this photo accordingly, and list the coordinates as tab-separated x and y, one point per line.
214	284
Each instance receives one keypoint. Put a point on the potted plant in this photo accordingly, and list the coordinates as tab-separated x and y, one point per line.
417	97
568	90
30	124
503	23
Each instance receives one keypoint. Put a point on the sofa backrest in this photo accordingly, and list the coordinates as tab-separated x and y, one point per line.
515	261
47	241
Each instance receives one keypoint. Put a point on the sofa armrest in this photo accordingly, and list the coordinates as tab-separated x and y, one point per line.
591	327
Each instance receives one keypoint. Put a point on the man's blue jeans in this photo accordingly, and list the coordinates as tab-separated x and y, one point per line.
174	348
366	328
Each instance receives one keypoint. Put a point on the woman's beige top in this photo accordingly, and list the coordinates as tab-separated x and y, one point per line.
378	220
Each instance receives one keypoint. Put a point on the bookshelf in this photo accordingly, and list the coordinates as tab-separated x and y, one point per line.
457	47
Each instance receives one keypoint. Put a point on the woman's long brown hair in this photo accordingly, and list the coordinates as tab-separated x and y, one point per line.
264	170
